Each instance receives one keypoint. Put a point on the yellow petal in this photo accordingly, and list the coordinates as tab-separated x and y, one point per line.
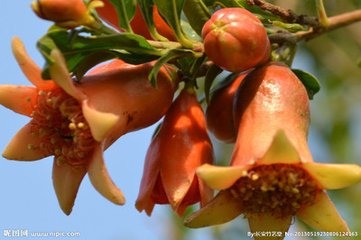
280	151
29	67
220	177
334	176
99	177
100	123
20	99
24	146
221	209
268	223
61	76
66	182
323	216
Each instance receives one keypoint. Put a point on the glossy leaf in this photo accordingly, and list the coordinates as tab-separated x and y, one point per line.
83	52
211	75
125	10
197	14
170	55
309	81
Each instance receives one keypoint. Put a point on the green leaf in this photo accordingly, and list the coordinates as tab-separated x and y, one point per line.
146	6
309	81
171	11
170	55
197	14
211	75
125	10
83	52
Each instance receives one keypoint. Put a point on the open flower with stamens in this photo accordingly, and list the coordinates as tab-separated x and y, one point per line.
272	176
76	122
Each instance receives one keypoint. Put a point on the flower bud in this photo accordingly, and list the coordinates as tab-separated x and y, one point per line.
69	13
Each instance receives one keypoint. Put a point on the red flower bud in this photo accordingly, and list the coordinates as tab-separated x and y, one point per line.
69	13
181	145
235	39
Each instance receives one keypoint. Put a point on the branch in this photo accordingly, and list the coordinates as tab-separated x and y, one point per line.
333	23
286	14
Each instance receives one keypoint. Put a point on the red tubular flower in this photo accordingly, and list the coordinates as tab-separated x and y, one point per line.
138	24
273	176
69	13
219	113
181	145
77	122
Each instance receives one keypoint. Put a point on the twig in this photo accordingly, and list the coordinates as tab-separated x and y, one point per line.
333	23
286	14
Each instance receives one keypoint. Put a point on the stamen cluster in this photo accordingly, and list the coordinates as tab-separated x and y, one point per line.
279	189
59	122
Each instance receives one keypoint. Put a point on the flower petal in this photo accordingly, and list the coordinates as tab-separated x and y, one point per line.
334	176
20	99
221	209
149	179
266	222
100	123
29	67
66	182
220	177
25	146
323	216
60	74
280	151
99	177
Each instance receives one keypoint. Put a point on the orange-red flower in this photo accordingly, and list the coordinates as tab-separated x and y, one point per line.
273	176
69	13
76	122
181	145
219	113
138	24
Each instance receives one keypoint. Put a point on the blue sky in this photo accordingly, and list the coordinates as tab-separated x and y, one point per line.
28	200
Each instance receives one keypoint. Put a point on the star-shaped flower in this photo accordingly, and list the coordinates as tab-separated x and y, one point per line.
76	122
274	189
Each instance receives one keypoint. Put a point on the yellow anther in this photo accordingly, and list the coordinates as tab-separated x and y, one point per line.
254	177
244	173
49	101
41	93
72	126
295	190
81	125
57	151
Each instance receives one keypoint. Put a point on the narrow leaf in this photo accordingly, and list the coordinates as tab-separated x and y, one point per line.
126	11
211	75
170	55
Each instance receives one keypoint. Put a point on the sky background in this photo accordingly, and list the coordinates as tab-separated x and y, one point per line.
27	198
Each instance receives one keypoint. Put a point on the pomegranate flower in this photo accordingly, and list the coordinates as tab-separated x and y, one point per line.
181	145
77	122
272	176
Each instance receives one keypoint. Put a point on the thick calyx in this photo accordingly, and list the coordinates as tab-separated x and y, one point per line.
276	189
59	122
